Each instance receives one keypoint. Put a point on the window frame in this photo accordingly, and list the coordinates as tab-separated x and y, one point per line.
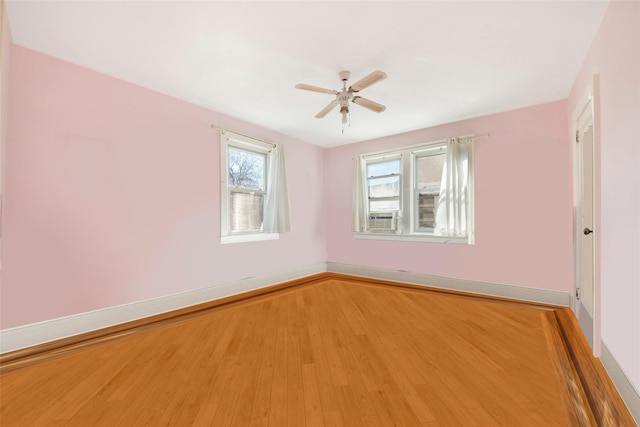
434	149
231	139
407	227
383	159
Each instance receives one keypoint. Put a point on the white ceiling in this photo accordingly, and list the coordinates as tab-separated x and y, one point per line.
446	60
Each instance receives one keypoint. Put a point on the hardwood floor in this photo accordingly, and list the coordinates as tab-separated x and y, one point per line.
332	353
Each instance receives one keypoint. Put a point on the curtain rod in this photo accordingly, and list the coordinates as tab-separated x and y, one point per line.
473	136
409	147
242	134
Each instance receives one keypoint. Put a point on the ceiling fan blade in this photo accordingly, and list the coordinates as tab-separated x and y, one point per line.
326	109
367	103
367	81
316	89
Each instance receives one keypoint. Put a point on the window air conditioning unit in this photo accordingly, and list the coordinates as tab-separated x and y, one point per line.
382	222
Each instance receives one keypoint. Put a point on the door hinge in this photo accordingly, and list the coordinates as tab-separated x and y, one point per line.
578	293
577	136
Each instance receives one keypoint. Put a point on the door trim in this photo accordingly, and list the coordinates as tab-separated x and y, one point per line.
591	100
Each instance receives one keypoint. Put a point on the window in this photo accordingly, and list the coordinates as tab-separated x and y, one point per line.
428	168
253	194
247	189
383	182
416	193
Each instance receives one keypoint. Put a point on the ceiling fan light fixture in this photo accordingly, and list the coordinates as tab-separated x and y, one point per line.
345	95
344	110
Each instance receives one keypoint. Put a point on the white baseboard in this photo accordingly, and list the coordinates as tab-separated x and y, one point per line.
38	333
626	389
42	332
521	293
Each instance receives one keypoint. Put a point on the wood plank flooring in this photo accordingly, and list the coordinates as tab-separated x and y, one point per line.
333	353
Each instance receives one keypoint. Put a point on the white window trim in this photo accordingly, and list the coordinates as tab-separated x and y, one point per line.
248	237
414	237
227	139
407	184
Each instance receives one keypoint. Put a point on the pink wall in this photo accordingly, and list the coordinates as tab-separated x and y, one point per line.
5	52
615	56
522	204
112	195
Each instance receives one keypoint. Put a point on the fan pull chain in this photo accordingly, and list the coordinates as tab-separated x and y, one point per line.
348	124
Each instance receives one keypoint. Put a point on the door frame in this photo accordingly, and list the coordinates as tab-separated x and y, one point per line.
591	100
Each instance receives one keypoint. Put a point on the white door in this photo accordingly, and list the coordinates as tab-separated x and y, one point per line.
585	306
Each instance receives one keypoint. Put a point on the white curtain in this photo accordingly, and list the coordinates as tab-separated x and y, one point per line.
359	195
277	217
452	211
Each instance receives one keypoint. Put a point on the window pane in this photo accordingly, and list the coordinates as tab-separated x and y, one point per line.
384	205
246	211
383	168
428	178
384	187
246	169
384	193
427	204
429	172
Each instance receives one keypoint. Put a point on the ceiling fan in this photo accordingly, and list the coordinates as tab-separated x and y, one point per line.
345	95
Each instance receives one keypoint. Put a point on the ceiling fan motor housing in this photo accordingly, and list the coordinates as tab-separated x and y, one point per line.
344	97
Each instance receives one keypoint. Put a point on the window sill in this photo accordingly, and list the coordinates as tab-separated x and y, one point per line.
412	238
249	237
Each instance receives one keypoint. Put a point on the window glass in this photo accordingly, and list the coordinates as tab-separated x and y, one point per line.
383	184
428	179
384	205
246	169
246	189
247	211
383	168
429	172
384	187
